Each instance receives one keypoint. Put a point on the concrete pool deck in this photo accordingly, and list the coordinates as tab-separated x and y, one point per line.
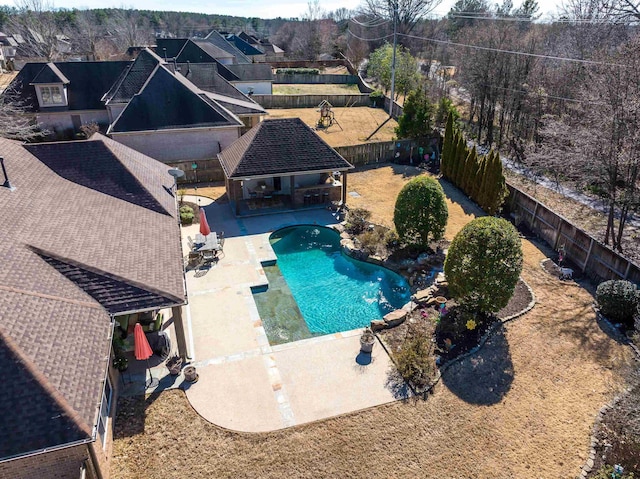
244	383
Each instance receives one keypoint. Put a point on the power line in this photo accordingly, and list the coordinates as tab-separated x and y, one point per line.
511	52
578	21
369	39
381	21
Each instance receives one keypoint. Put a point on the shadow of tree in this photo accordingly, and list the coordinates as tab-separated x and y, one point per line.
457	196
484	377
398	387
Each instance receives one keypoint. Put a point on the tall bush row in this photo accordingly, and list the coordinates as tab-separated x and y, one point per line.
480	177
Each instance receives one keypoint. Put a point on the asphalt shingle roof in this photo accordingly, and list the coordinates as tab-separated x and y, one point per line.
87	83
243	46
170	101
252	71
133	78
219	41
50	74
279	146
66	240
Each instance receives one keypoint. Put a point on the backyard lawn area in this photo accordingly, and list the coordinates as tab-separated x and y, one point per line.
309	89
521	407
357	124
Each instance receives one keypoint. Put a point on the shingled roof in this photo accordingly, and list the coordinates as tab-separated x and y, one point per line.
277	147
76	250
133	78
220	42
242	45
86	83
169	101
252	71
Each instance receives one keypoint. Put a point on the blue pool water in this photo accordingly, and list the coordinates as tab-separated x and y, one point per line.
333	291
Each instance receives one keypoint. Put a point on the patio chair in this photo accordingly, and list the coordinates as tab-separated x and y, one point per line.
208	256
221	240
190	243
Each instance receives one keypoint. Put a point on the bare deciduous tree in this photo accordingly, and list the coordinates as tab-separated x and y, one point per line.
36	23
409	12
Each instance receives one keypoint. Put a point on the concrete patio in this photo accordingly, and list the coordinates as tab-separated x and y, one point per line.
245	384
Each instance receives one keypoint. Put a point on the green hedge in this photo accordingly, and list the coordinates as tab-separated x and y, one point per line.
298	71
618	301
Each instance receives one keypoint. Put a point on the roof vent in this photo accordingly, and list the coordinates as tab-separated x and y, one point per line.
7	183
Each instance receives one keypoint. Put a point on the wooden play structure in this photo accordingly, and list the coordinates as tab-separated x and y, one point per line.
327	116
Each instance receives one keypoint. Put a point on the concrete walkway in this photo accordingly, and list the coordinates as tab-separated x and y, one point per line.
244	383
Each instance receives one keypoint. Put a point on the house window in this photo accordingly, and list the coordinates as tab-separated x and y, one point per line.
105	408
52	95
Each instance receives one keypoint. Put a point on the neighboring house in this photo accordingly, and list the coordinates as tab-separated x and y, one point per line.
272	52
282	162
249	78
156	108
64	96
8	50
249	50
94	235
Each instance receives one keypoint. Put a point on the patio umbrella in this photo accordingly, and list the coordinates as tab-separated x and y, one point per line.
204	225
143	351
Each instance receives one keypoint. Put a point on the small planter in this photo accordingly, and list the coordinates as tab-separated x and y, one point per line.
366	341
174	365
190	374
121	364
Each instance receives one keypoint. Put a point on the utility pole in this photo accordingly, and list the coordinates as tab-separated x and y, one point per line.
393	60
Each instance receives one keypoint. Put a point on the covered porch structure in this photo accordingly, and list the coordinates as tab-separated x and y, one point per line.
283	165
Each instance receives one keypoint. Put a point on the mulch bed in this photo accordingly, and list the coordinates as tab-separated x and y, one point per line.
420	319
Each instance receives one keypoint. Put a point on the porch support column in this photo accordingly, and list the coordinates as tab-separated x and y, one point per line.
344	187
292	186
181	338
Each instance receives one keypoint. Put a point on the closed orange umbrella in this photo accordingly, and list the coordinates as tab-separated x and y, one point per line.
143	351
204	225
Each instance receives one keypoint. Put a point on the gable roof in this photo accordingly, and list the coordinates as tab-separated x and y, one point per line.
205	76
61	258
170	101
220	42
50	73
242	45
86	83
251	39
133	78
279	146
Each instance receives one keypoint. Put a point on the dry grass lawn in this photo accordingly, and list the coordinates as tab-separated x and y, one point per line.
522	407
310	89
357	123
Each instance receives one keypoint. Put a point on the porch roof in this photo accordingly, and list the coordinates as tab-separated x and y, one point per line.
280	146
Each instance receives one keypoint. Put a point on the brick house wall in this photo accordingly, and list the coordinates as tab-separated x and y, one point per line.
60	464
180	145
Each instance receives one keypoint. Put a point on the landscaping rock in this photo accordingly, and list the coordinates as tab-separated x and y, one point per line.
423	295
378	325
375	260
395	317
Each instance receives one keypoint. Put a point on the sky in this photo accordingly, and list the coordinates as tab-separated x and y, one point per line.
244	8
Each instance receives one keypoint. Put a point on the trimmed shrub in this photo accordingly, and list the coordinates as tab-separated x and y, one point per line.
186	214
298	71
421	212
483	264
618	301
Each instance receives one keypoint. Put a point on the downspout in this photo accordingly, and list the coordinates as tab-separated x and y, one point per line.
94	460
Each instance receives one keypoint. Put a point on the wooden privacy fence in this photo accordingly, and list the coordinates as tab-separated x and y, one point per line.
378	152
297	78
595	259
206	171
311	101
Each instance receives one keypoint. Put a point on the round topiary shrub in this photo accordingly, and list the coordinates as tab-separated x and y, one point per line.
483	264
421	212
186	215
618	301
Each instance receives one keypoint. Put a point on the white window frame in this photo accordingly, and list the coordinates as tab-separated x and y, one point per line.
105	410
40	90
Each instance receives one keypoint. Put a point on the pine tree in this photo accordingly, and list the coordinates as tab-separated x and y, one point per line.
485	184
470	166
499	189
462	153
477	178
447	148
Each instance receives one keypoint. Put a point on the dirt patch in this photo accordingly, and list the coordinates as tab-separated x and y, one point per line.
519	301
523	406
357	124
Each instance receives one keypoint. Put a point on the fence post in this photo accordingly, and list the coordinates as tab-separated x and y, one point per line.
586	261
533	218
555	241
626	271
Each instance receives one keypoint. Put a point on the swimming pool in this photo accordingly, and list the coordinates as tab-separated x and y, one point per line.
333	291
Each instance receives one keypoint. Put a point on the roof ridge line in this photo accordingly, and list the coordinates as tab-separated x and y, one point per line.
44	382
77	302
